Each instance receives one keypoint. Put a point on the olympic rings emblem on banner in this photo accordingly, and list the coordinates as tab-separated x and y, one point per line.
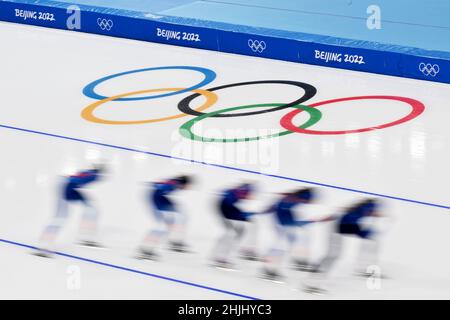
105	24
257	46
429	69
308	92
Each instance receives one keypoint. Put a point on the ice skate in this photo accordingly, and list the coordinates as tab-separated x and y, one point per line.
90	244
178	246
223	265
249	255
302	265
42	253
314	290
147	254
366	274
271	275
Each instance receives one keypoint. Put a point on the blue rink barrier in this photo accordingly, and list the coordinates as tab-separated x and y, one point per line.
267	43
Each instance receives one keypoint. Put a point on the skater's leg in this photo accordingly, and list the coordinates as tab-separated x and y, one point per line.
248	248
315	282
333	253
367	260
160	231
278	251
177	231
223	244
239	228
229	242
89	223
286	237
52	230
300	251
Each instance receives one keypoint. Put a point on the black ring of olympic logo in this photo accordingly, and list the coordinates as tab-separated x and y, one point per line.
310	91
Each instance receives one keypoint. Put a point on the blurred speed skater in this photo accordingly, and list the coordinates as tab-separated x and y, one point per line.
351	223
235	221
287	225
71	193
171	222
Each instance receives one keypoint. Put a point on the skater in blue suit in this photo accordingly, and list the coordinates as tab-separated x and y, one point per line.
71	193
170	220
351	223
235	220
287	226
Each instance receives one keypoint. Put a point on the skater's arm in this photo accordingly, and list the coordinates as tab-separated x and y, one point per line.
301	223
332	217
83	178
270	209
377	214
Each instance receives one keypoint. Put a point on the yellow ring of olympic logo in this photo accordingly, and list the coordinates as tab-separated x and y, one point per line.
88	112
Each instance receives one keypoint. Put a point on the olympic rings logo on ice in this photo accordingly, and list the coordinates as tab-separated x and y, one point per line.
257	46
105	24
210	96
429	69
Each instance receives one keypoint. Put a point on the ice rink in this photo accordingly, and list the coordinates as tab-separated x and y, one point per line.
52	123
